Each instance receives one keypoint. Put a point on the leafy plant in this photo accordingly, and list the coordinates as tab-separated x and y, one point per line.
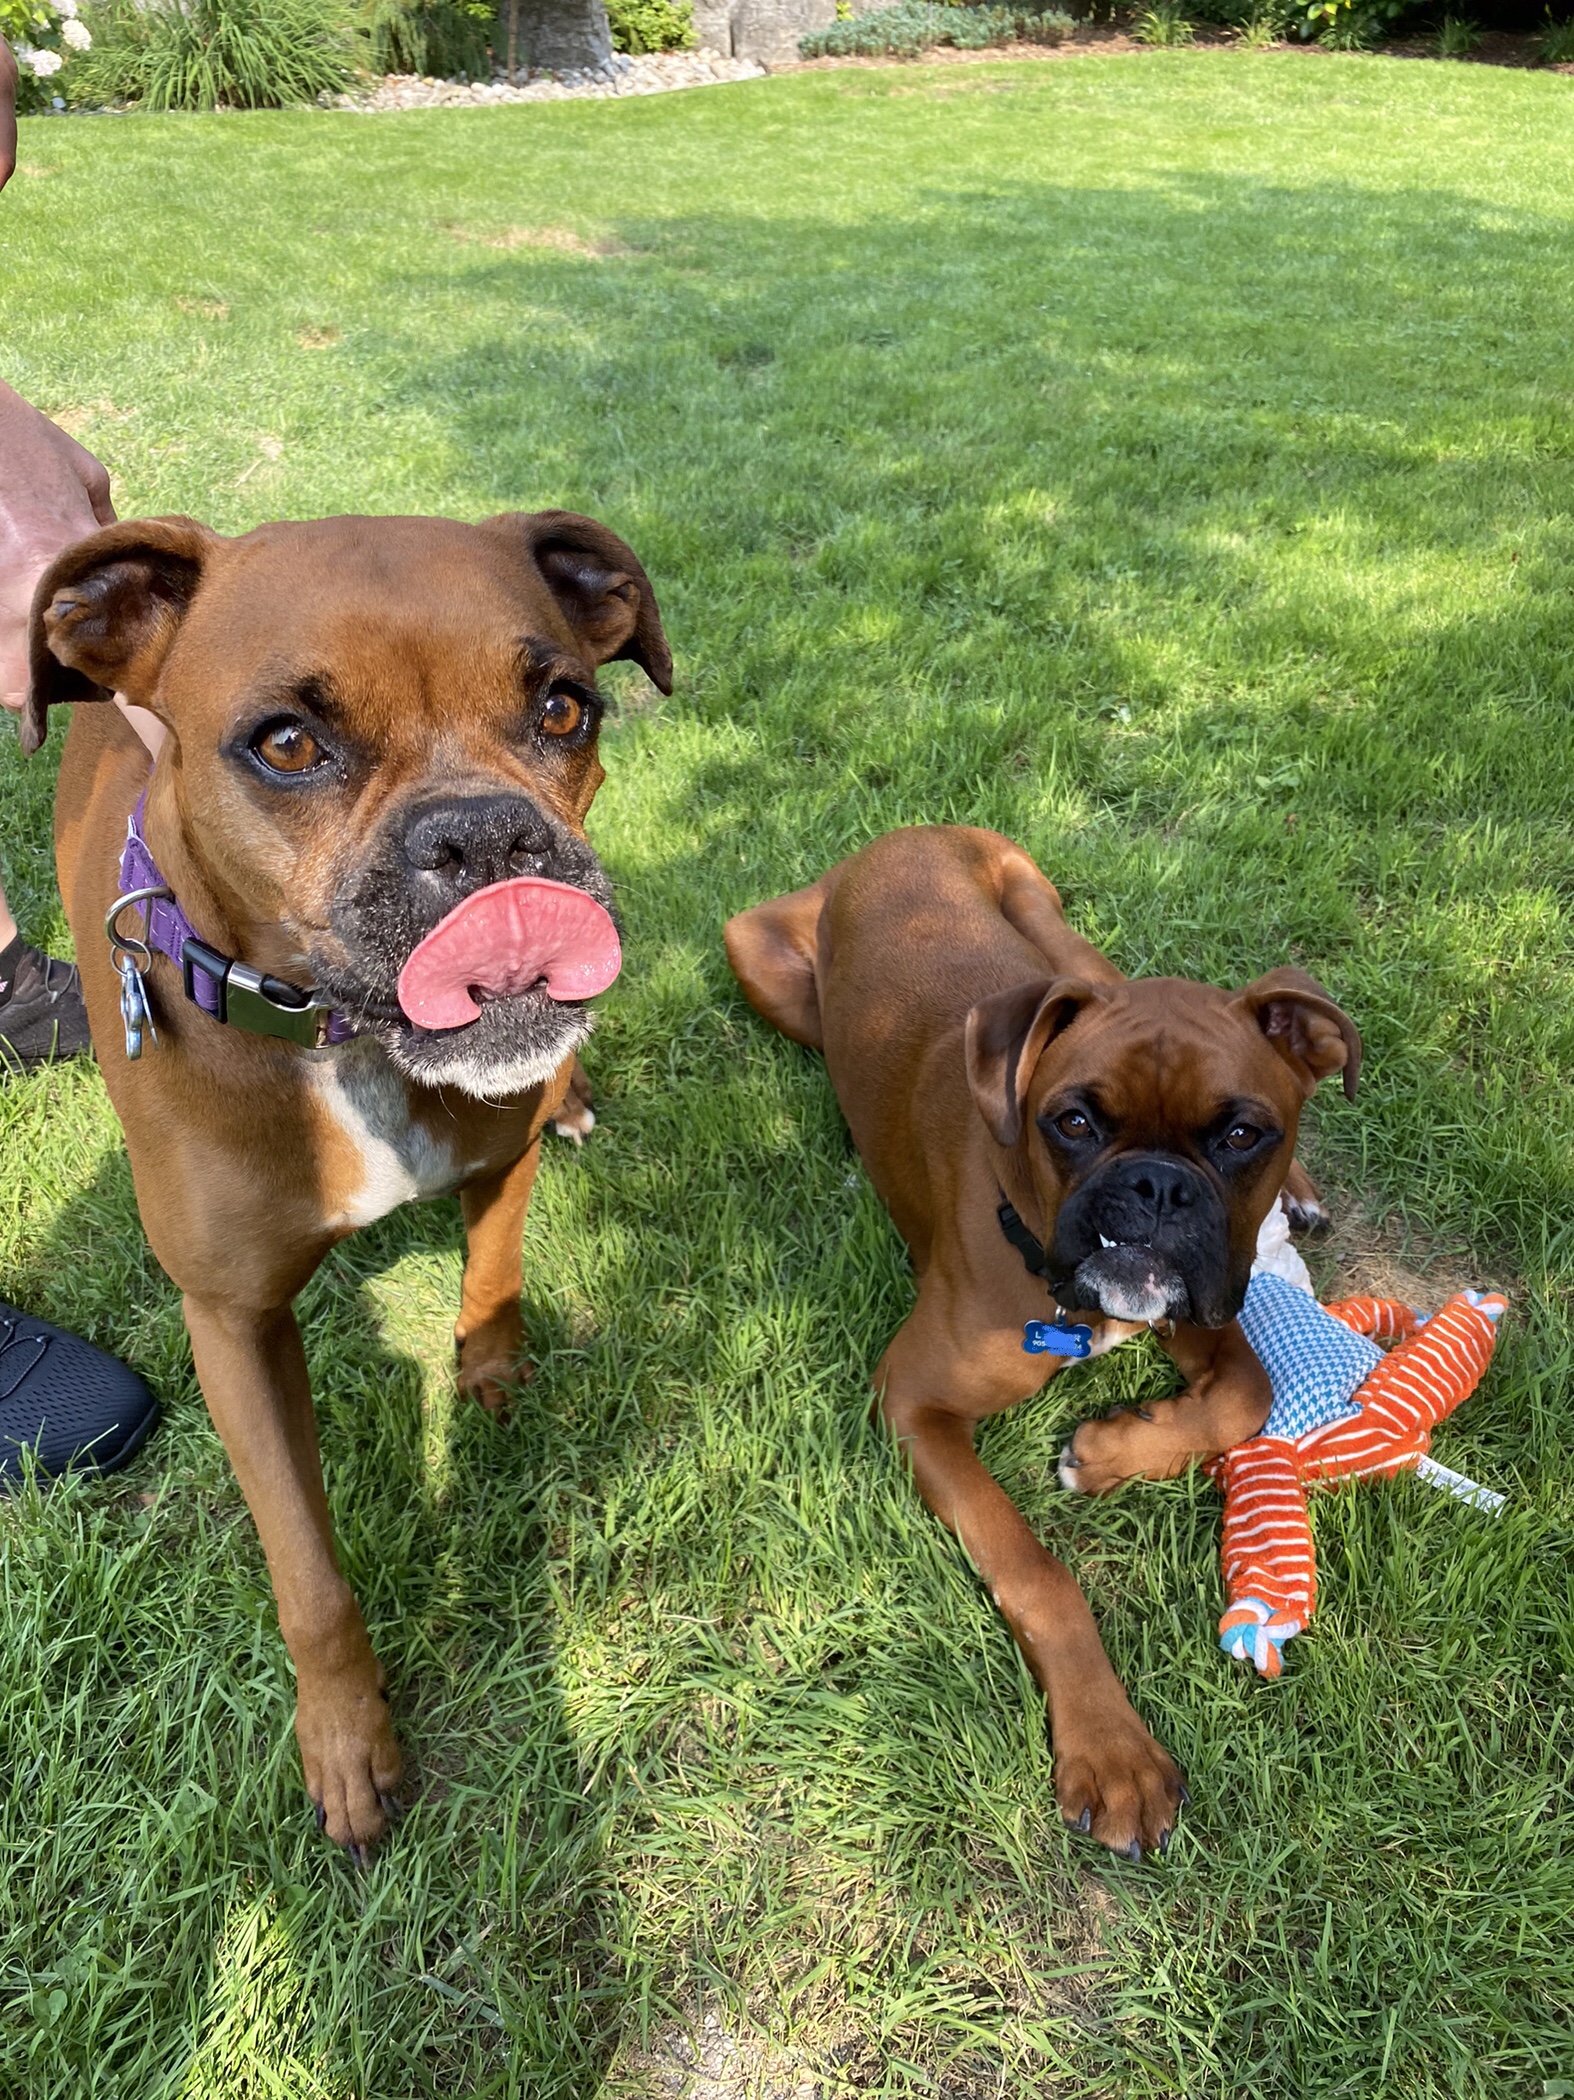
912	26
1163	25
215	54
1456	37
1351	25
1555	44
427	36
1263	27
43	34
651	25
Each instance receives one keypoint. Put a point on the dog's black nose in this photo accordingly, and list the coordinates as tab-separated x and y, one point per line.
465	844
1165	1185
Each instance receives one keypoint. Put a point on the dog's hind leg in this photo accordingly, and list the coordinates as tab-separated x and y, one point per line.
490	1332
1303	1203
772	950
574	1116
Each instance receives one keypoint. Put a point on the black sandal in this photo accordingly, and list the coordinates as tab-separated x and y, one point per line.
68	1403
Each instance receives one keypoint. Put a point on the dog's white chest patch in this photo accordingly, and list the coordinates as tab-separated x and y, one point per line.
398	1159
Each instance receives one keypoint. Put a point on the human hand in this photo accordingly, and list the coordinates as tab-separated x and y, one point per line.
7	113
52	493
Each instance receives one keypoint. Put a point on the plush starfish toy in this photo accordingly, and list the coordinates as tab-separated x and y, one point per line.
1341	1409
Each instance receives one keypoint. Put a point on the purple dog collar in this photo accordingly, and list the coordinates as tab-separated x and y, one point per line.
231	991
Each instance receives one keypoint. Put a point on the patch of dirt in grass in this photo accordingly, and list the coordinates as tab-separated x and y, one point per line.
709	2062
1365	1256
83	415
209	309
560	239
319	338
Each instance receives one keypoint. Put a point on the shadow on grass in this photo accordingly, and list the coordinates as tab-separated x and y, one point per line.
1213	538
157	1707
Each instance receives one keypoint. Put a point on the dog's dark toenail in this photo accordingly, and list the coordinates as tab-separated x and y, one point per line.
357	1856
1184	1795
322	1816
1143	1413
1085	1821
1164	1839
1133	1851
391	1808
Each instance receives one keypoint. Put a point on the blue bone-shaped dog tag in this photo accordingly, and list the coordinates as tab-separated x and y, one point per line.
1040	1338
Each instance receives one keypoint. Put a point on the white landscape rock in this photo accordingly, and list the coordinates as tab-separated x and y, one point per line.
621	75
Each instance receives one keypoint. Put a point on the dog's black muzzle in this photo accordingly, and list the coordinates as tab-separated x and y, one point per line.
428	858
1147	1237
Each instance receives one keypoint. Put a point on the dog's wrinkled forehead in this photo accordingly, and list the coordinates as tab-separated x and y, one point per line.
1162	1055
403	634
1157	1054
399	616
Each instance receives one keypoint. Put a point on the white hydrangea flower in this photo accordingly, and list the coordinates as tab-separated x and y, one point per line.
66	10
77	34
43	63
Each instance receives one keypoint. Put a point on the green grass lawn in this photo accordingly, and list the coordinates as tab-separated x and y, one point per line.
1168	460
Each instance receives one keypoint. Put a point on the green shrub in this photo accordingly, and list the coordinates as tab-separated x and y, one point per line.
1556	42
1164	23
215	54
1351	25
912	26
1456	37
1265	25
651	25
428	36
44	35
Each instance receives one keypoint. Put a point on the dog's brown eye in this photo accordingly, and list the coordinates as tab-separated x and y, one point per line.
1242	1136
562	714
1073	1124
288	747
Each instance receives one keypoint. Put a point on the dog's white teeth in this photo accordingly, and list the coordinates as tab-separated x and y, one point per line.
1107	1243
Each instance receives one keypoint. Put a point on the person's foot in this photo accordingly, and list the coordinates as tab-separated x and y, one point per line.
41	1010
65	1401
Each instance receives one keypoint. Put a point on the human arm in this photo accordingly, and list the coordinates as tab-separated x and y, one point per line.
53	492
7	112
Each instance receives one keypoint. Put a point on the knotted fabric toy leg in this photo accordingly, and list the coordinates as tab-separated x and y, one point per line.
1415	1386
1270	1566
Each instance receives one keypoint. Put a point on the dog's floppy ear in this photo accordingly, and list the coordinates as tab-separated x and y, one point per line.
1007	1035
598	582
105	613
1311	1034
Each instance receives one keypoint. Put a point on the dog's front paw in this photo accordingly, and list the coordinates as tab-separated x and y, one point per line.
350	1757
492	1361
1123	1445
1115	1783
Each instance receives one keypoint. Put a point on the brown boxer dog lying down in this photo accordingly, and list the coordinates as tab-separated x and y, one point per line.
381	742
985	1054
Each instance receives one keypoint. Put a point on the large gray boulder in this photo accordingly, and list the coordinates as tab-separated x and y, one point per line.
559	33
765	30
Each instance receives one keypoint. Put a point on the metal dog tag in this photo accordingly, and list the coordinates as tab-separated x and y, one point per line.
135	1012
1041	1338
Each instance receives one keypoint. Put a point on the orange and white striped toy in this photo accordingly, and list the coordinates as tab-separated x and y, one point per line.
1342	1410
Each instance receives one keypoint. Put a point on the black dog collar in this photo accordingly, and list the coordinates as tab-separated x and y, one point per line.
1055	1337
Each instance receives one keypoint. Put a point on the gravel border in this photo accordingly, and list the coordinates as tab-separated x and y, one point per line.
622	75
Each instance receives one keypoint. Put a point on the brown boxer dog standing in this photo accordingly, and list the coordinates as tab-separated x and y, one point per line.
381	734
1016	1101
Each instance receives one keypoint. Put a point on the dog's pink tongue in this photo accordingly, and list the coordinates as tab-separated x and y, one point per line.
503	940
